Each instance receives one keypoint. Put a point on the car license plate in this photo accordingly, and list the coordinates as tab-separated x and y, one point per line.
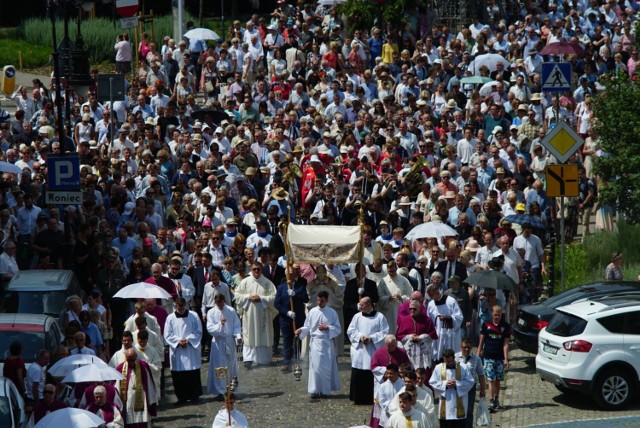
521	322
549	349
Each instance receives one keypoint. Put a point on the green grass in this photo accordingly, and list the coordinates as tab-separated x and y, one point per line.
99	34
587	261
33	55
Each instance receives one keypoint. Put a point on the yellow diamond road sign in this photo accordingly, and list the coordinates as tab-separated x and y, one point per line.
562	141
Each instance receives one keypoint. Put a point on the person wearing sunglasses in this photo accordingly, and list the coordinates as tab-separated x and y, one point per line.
48	404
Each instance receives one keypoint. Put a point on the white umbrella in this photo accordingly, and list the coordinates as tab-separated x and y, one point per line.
201	34
10	168
433	229
93	373
487	88
68	364
142	290
488	60
70	418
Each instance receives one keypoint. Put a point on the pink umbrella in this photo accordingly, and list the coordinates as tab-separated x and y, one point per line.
562	48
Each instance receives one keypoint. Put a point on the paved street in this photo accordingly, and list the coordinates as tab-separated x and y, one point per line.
271	399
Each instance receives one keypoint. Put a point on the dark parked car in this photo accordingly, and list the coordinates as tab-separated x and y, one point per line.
533	318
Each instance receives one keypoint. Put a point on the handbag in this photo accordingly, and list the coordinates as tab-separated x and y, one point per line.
483	418
208	86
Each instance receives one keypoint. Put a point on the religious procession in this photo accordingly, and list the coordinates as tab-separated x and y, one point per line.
295	190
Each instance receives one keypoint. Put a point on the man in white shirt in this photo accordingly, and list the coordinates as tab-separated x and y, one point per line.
211	289
272	41
8	264
466	146
35	378
80	339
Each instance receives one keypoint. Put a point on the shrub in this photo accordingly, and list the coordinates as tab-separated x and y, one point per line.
578	269
602	244
587	261
99	34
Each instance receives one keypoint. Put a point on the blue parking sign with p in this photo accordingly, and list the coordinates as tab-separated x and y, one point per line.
63	172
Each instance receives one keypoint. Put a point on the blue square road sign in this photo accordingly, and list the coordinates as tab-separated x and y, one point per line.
63	172
556	76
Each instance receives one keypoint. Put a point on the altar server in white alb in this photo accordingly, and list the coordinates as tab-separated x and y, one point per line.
366	332
183	333
408	415
323	325
255	297
223	325
238	420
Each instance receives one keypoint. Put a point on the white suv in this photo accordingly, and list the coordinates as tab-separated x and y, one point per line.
593	347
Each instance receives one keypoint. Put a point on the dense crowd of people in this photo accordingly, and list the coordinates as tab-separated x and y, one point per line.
297	117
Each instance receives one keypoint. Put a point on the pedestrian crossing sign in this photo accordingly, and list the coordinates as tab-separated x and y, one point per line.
556	76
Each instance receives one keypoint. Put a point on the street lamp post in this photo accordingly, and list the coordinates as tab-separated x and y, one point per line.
56	70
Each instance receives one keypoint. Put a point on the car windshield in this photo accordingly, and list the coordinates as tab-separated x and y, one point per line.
34	302
31	342
565	325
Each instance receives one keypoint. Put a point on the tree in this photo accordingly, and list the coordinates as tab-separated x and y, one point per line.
617	127
363	14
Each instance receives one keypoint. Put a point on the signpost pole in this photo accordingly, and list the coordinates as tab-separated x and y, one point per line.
112	122
556	77
562	242
222	17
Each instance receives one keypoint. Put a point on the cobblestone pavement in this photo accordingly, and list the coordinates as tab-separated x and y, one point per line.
272	399
530	401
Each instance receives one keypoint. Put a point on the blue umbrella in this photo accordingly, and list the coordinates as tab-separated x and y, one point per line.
535	221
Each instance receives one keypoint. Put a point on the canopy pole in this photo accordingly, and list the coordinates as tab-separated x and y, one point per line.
361	249
287	252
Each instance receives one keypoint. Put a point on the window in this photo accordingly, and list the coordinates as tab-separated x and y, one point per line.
34	302
613	323
565	325
632	324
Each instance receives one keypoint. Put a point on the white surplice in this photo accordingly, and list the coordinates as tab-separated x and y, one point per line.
223	345
374	327
323	365
178	328
257	318
155	365
449	395
151	393
336	302
425	403
448	338
238	420
418	419
383	397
